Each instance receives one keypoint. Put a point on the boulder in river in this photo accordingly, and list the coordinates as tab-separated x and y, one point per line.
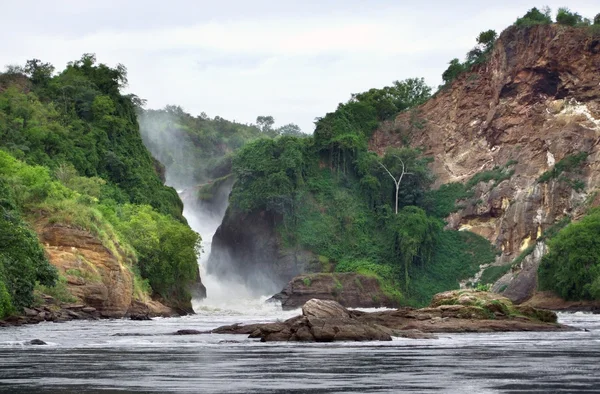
453	311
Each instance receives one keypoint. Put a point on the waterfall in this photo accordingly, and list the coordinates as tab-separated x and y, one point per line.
222	295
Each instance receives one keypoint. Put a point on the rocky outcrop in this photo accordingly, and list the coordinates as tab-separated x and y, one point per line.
97	277
246	247
349	289
454	311
321	321
535	102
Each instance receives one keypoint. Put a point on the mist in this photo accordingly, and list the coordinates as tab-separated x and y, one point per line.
187	172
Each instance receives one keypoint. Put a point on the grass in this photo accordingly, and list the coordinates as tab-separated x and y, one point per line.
307	282
60	291
492	273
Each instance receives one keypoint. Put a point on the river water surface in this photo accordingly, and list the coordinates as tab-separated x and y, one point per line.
83	356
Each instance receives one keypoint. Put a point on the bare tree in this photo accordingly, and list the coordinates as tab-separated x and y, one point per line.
396	181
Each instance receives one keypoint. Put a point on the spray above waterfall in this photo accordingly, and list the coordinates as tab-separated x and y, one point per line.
205	203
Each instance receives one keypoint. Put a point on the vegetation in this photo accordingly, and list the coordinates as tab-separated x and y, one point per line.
572	266
71	153
200	149
492	273
568	164
329	195
22	259
477	55
535	17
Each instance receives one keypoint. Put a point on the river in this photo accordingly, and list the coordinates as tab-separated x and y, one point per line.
144	356
83	356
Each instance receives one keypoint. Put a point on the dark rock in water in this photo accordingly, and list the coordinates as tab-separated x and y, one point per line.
190	332
139	316
350	289
453	311
322	321
37	342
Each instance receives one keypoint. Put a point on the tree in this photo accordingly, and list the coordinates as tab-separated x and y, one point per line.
39	73
597	19
265	123
535	17
486	39
290	129
398	180
568	18
454	69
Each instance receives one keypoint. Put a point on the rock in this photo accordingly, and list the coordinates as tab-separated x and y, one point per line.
88	309
326	321
535	102
324	309
30	312
73	306
140	316
37	342
349	289
190	332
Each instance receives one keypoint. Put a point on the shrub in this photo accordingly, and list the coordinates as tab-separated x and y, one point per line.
535	17
571	268
566	17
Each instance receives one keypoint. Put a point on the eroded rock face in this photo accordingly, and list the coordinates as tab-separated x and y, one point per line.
535	102
349	289
102	282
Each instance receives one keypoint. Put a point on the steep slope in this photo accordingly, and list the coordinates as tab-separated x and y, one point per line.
533	107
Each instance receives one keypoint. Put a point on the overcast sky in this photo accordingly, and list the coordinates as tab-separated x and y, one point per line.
294	60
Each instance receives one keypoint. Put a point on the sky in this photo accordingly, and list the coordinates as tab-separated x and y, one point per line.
293	60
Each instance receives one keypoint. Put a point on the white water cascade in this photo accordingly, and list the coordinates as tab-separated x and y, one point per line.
222	296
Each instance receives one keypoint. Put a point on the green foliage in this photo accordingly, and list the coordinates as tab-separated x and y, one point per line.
566	17
167	250
535	17
569	163
497	174
442	201
477	55
22	259
79	118
306	281
268	171
597	19
454	69
343	133
71	153
457	255
572	266
59	290
492	273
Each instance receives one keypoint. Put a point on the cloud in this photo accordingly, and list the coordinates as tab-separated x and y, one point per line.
239	59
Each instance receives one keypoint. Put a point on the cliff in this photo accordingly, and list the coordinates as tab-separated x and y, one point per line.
533	104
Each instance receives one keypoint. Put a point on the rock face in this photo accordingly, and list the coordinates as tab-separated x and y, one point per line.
535	102
246	247
454	311
349	289
96	276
